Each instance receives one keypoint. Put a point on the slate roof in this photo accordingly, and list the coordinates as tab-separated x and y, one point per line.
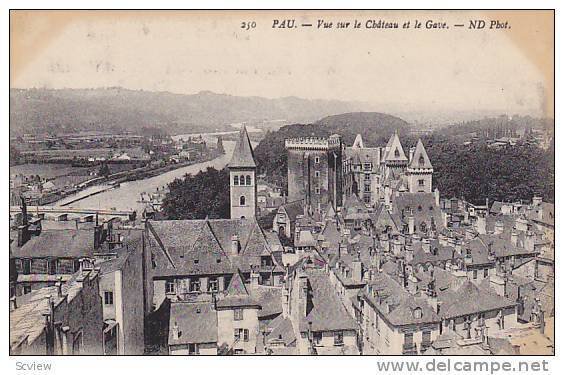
243	156
270	300
393	145
57	244
197	323
422	207
182	242
328	312
237	295
420	158
293	209
470	299
395	303
281	329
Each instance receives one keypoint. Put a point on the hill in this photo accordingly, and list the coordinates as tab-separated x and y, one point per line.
38	111
375	128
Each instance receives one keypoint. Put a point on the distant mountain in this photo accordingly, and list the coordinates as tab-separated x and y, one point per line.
374	127
39	111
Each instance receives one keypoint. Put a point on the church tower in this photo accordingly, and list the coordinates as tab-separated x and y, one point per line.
242	177
420	171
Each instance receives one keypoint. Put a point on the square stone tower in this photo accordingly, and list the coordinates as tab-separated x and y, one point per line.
315	171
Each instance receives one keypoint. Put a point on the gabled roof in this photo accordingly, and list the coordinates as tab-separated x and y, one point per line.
395	144
57	244
237	286
420	158
471	299
196	322
243	156
293	209
237	295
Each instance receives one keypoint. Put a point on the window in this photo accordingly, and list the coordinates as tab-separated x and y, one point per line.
317	190
26	266
367	166
213	285
421	182
108	298
170	287
367	177
338	338
194	285
317	337
248	179
317	160
26	289
475	274
367	199
366	188
417	313
485	272
235	180
193	349
242	200
241	334
317	173
238	314
396	153
408	339
426	338
421	160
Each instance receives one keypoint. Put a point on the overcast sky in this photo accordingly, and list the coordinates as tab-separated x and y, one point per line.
454	69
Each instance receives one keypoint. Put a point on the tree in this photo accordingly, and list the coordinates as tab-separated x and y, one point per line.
104	170
205	194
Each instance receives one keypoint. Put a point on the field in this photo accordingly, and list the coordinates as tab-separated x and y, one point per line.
47	171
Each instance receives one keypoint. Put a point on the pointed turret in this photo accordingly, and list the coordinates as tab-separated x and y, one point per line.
242	173
358	143
420	171
395	150
420	158
243	156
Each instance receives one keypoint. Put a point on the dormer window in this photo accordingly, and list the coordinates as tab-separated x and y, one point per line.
396	153
417	313
421	160
196	261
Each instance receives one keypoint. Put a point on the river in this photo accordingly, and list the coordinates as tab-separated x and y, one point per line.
126	196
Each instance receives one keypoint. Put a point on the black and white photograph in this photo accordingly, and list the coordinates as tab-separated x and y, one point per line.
282	183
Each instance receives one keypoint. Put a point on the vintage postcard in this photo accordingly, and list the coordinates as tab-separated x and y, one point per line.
359	182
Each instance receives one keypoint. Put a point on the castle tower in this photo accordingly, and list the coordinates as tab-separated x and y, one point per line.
394	159
242	177
420	171
315	171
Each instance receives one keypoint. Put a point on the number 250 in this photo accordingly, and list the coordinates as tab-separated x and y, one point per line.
248	25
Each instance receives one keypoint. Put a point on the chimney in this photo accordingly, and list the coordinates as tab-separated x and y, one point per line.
411	152
254	277
13	303
411	224
408	253
437	197
175	331
481	224
537	201
235	245
59	285
357	270
514	237
23	234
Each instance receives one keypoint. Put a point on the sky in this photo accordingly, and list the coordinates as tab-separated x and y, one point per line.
186	52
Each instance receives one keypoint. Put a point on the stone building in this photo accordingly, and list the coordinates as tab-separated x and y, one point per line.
315	171
242	176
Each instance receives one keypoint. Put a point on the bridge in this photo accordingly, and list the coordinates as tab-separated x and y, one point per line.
70	212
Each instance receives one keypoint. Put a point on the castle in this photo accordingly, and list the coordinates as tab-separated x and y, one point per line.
324	172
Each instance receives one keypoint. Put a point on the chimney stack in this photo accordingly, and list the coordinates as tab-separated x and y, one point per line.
175	331
411	224
13	303
235	245
514	237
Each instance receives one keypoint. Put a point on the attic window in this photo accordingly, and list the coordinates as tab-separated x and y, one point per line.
421	160
417	313
196	261
218	260
396	153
